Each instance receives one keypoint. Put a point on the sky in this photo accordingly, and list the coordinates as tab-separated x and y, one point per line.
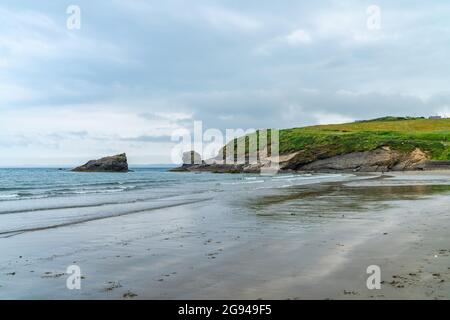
137	71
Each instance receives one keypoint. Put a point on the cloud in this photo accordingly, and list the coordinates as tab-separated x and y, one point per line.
330	118
225	19
443	112
297	37
43	62
140	70
293	39
11	93
165	139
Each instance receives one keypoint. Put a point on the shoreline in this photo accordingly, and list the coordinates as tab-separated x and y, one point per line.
256	169
216	250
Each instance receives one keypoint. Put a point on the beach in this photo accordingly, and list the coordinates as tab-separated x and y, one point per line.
213	236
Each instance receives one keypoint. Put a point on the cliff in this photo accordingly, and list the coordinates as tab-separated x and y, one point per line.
384	144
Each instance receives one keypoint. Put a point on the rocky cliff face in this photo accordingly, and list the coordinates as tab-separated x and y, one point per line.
381	159
117	163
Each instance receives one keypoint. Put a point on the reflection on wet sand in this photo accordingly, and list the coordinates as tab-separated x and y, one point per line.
296	237
335	199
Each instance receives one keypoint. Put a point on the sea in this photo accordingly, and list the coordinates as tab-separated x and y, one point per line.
33	199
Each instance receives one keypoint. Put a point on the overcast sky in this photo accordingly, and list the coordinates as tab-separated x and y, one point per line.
138	70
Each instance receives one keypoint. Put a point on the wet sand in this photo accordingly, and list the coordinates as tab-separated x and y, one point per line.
298	242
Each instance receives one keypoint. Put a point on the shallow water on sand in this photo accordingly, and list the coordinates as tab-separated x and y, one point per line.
184	235
38	199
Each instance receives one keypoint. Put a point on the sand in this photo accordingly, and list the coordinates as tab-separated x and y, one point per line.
298	242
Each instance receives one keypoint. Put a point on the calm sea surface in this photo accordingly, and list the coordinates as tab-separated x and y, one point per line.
40	198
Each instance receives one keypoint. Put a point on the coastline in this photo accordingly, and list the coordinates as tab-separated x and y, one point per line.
256	169
217	250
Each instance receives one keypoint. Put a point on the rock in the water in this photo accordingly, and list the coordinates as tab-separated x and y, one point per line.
117	163
191	157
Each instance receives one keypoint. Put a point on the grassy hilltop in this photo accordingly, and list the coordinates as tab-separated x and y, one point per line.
403	134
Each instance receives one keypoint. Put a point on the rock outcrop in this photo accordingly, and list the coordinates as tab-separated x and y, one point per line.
117	163
383	144
381	159
190	160
191	157
436	165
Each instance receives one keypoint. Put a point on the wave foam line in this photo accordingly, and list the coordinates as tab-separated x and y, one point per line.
11	233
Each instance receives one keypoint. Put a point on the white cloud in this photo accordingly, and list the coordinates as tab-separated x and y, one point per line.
97	120
226	19
293	39
348	93
73	134
444	112
297	37
331	118
174	116
348	27
180	60
11	93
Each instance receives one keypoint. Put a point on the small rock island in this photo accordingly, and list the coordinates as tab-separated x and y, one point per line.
190	160
117	163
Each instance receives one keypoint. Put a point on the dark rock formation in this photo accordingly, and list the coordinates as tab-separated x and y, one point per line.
381	159
215	168
436	165
117	163
190	159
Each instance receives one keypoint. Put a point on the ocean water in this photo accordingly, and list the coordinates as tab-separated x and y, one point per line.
41	198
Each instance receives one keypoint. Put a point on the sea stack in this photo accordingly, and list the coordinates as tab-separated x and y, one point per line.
190	160
117	163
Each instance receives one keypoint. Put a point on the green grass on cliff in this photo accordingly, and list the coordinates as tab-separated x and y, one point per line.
403	134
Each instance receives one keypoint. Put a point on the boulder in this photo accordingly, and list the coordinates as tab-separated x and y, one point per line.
117	163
